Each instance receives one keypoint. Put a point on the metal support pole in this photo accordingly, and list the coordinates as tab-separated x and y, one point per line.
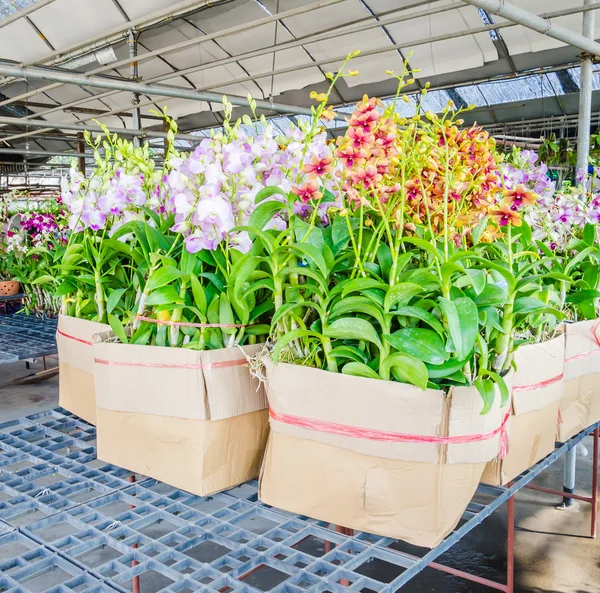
585	95
81	150
510	546
135	581
569	477
133	68
595	484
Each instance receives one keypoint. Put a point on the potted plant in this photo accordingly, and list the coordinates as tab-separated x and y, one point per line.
11	249
390	378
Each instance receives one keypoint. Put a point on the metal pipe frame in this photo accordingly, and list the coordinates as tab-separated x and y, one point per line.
196	41
539	24
593	499
486	28
142	133
504	495
43	153
83	80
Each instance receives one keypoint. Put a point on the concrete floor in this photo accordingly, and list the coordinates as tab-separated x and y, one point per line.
553	552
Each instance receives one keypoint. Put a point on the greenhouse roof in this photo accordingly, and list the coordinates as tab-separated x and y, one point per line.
277	50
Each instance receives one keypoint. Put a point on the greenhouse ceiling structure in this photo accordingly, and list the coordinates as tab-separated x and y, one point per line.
67	64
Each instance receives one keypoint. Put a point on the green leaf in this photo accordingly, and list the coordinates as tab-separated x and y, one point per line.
351	352
219	284
479	230
462	321
65	288
353	328
501	383
359	369
166	295
162	277
422	344
267	192
264	213
226	315
488	393
401	293
422	244
312	254
199	294
589	234
360	284
384	257
446	369
357	304
113	299
405	369
305	233
43	279
419	313
525	305
117	328
491	295
582	296
478	279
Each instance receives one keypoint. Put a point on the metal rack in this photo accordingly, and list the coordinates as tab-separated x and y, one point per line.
67	516
26	336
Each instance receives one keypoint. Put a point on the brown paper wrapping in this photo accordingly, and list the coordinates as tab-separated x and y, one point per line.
411	491
76	391
532	426
580	404
196	420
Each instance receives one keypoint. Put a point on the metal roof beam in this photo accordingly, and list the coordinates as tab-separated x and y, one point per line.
43	153
66	126
537	23
162	90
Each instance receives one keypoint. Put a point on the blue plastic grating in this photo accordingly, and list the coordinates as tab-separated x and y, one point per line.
23	336
26	567
86	519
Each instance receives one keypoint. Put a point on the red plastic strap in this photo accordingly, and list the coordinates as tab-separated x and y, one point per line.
155	365
594	332
539	385
186	324
390	437
62	333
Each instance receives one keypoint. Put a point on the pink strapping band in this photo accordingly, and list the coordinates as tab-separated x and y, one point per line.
186	324
62	333
155	365
540	385
392	437
594	332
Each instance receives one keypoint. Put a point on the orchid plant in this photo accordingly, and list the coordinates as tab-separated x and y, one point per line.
418	278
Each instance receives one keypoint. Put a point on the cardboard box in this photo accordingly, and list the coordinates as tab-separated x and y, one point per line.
537	389
74	338
580	404
338	452
196	420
